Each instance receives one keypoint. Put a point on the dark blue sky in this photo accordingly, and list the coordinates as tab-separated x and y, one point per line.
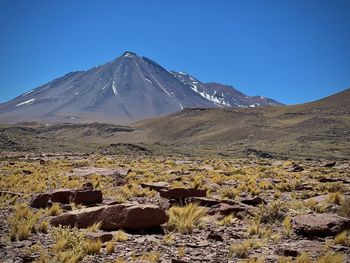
292	51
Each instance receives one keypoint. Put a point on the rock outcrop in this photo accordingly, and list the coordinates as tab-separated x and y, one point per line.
113	217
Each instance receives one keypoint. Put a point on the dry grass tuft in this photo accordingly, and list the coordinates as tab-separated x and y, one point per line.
110	246
287	224
303	258
331	257
94	227
93	247
344	209
54	210
120	236
342	239
185	219
23	222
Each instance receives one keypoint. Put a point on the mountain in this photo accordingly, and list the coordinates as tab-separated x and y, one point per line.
127	89
223	95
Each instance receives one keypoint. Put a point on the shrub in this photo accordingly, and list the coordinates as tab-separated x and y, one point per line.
110	246
226	221
284	260
168	240
335	198
54	210
254	228
93	246
43	227
342	238
230	193
303	258
185	219
120	236
197	182
287	223
242	250
151	256
344	209
69	244
274	212
181	251
22	222
331	257
94	227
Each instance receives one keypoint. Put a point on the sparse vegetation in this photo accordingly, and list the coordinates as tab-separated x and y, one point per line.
110	246
185	219
287	223
243	249
344	209
331	258
54	210
286	194
120	236
23	222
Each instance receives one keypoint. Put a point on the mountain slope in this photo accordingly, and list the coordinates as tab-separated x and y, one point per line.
320	128
223	95
127	89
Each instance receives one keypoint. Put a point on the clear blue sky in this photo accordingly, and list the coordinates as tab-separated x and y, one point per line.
292	51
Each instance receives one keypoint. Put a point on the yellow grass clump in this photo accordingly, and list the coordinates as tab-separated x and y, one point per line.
185	219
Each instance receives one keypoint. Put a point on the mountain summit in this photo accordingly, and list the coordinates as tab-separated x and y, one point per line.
127	89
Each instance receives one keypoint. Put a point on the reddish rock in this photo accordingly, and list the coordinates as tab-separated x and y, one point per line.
215	236
103	236
296	168
226	209
320	225
182	193
156	186
120	216
87	197
254	201
329	165
63	196
40	201
202	201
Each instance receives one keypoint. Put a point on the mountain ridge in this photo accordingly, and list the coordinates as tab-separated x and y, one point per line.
126	89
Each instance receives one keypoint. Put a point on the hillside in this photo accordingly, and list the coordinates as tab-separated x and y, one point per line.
319	129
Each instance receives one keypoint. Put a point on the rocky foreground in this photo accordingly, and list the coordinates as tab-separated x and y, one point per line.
67	208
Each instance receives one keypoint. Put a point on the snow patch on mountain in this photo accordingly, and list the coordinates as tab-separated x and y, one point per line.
26	102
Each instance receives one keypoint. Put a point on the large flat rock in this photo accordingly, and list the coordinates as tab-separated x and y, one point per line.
113	217
320	225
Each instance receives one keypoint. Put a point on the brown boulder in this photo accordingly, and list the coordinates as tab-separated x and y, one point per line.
181	193
227	209
329	165
40	201
63	196
156	186
103	236
87	197
254	201
120	216
202	201
320	225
